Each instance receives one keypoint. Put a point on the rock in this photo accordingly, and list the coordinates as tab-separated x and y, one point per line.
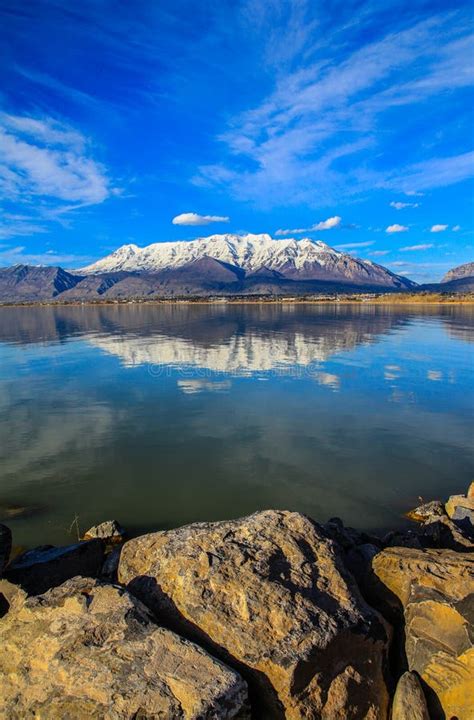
442	532
110	531
427	511
397	538
110	567
45	567
439	647
470	491
348	537
5	547
409	702
461	510
90	650
270	595
397	569
10	595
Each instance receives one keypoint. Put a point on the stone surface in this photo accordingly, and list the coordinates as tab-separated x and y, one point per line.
461	511
427	511
110	567
45	567
5	546
89	650
270	595
439	647
442	532
10	595
470	491
409	702
110	531
397	569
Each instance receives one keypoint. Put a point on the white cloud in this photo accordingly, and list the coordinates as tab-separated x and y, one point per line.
328	224
46	159
347	246
192	218
402	205
456	228
379	253
438	228
412	248
396	228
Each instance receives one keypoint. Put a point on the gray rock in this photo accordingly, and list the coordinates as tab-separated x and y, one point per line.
5	547
111	564
110	531
45	567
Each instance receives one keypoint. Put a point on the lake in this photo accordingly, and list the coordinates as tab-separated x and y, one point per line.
160	415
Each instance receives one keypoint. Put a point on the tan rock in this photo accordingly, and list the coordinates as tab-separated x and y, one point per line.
439	647
409	702
470	491
89	650
398	568
10	595
271	596
458	501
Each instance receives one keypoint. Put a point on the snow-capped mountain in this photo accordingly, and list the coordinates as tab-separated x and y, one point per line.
303	259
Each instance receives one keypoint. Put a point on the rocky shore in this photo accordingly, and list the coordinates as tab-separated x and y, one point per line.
269	616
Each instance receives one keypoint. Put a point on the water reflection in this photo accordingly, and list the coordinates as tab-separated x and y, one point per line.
160	415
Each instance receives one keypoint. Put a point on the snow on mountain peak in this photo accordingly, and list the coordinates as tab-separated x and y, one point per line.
250	252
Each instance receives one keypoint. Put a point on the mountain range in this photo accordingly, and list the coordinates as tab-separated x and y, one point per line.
216	265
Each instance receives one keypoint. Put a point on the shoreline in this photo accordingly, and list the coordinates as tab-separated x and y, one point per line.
383	300
219	599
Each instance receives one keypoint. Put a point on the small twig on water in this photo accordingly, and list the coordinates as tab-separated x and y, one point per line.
75	522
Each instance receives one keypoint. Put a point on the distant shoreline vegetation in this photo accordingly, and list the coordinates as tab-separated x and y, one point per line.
386	298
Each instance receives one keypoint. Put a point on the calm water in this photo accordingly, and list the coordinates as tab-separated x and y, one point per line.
159	416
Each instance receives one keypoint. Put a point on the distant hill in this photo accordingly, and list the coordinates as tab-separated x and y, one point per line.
29	283
202	278
460	272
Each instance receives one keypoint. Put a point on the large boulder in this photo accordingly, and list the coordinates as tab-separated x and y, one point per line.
432	591
270	595
5	546
45	567
89	650
439	647
396	569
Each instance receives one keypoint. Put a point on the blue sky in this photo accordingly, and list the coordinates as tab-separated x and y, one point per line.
349	122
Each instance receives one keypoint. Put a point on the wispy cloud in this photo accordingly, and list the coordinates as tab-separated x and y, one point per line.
47	169
347	246
379	253
456	228
402	205
438	228
20	255
192	218
396	228
307	140
329	224
413	248
43	158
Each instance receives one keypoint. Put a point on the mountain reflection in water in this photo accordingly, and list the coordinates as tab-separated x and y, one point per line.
165	414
